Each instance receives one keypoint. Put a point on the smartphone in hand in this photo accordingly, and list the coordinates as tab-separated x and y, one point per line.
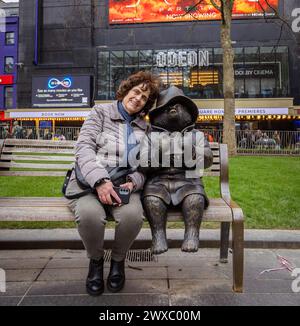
123	193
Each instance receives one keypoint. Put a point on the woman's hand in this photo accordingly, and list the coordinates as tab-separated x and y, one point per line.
105	193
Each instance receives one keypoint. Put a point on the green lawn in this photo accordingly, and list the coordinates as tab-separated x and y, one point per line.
267	189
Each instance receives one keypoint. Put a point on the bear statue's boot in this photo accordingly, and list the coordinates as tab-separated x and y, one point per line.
156	211
192	210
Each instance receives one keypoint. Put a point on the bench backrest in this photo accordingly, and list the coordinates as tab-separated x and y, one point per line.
23	157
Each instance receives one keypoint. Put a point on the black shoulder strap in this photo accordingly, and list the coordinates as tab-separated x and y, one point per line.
65	185
119	172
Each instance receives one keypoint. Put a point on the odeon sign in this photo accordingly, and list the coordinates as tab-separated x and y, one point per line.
182	58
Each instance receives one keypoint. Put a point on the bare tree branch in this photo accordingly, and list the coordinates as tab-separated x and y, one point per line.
213	2
192	8
284	22
277	15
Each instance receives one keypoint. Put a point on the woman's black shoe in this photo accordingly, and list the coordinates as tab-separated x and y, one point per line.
94	281
116	277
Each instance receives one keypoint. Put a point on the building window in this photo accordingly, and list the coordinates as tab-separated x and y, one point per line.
264	72
9	38
259	71
8	97
8	65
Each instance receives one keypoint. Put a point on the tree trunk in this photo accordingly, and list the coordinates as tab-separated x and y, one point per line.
228	79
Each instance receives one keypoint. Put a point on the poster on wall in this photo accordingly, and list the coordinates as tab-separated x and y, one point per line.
150	11
61	91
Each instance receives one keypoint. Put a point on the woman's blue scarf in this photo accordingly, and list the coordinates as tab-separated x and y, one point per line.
128	118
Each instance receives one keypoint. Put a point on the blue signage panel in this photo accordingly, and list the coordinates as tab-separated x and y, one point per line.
61	91
45	124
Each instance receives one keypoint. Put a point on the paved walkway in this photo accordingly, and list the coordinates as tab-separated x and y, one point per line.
57	277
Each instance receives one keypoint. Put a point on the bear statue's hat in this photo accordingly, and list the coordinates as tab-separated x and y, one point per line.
172	95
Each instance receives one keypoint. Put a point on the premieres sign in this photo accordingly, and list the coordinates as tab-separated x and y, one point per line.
182	58
246	111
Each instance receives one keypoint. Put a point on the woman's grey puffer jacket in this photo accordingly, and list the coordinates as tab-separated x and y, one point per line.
101	142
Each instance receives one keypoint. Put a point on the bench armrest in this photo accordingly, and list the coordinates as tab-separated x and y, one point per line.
1	145
224	174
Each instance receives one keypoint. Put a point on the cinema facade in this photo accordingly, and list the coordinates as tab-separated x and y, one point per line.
76	54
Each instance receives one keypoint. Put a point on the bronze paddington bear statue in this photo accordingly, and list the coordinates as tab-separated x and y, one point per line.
169	186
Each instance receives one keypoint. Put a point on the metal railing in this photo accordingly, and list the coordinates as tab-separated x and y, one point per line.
251	142
27	132
261	142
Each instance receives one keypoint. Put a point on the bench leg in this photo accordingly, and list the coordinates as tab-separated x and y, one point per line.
238	254
225	227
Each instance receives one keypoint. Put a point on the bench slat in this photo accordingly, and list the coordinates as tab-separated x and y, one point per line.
55	209
35	201
38	150
34	165
33	173
214	167
37	143
36	158
214	145
62	201
53	158
211	174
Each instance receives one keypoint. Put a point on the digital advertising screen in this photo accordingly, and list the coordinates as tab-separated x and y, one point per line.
61	91
150	11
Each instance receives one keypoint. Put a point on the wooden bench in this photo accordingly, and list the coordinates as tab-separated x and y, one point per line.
16	153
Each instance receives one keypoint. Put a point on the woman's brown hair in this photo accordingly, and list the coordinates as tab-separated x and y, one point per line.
150	81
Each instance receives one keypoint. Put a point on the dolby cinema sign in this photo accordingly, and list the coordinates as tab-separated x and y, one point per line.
181	58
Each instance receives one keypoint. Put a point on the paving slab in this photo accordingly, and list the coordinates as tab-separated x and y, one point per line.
254	273
200	286
103	300
22	275
69	253
15	289
9	301
75	274
22	254
78	287
292	255
268	286
245	299
68	262
204	271
26	263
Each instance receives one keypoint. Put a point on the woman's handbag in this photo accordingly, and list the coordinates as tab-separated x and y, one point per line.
117	176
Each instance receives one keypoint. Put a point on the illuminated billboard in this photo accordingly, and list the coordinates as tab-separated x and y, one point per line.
61	91
150	11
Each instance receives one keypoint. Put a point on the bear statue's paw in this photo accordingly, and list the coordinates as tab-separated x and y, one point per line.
159	244
190	245
191	242
157	250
